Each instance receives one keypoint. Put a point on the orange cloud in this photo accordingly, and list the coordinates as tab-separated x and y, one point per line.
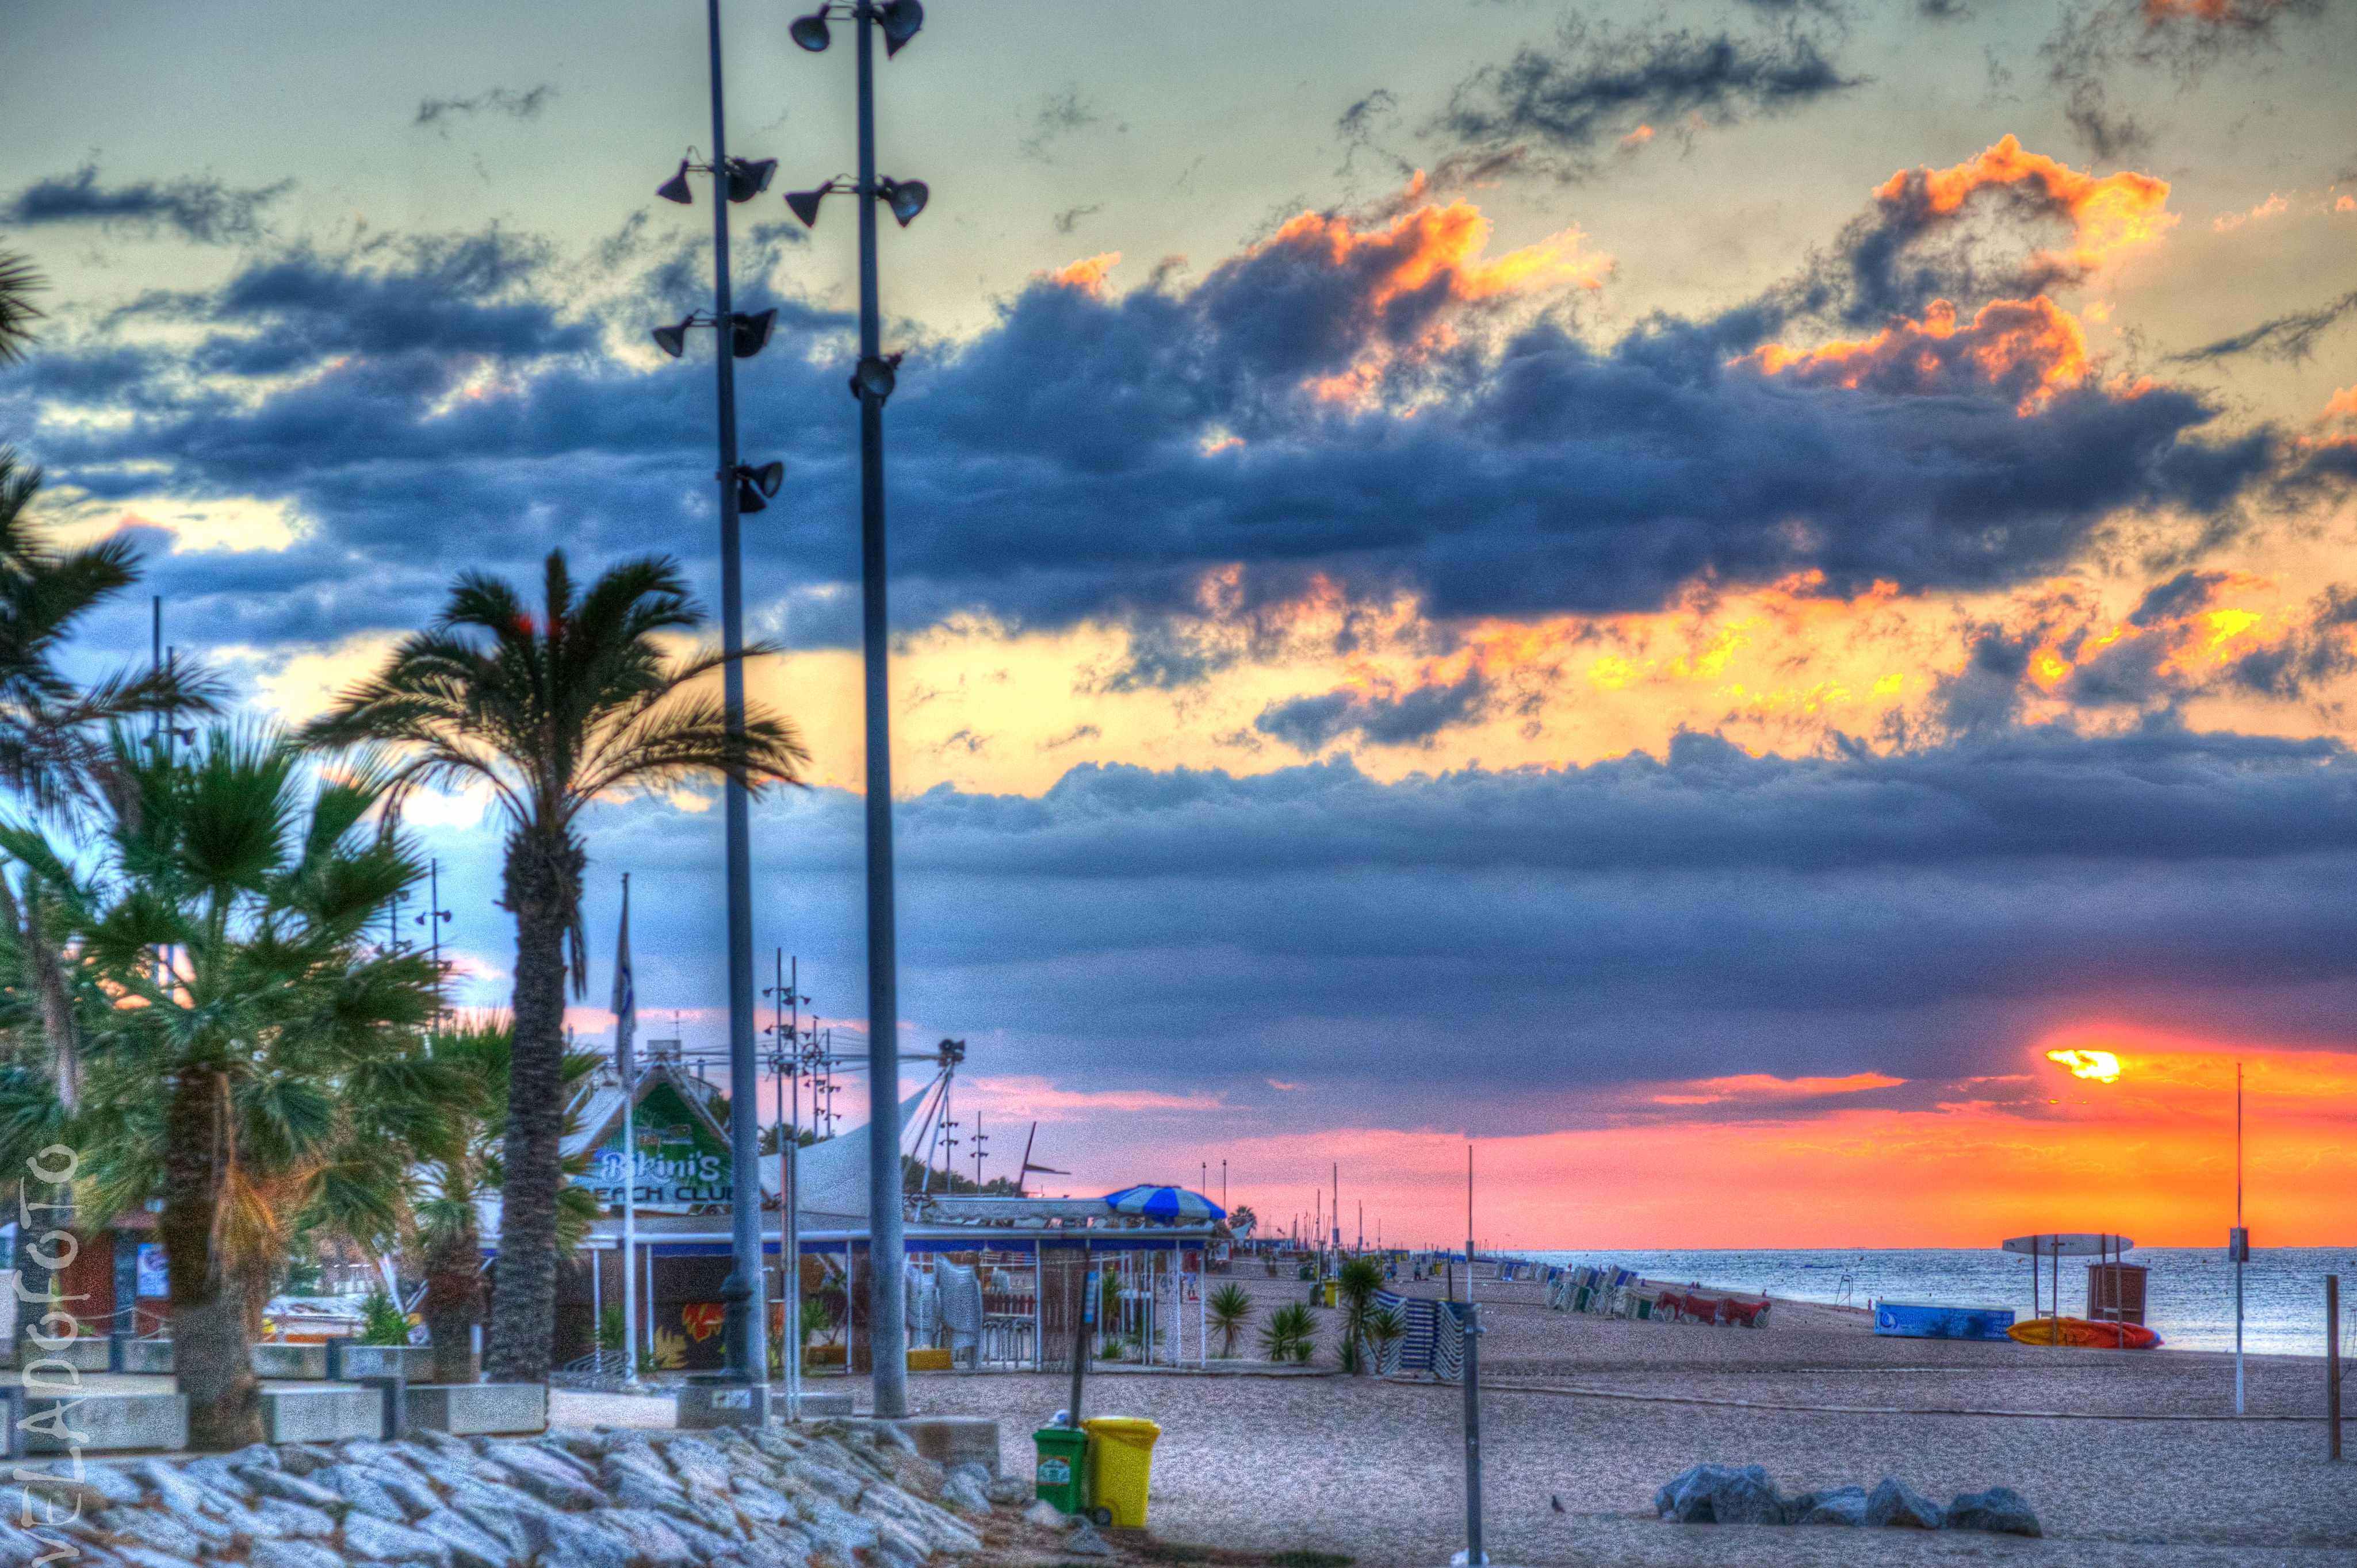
1637	138
2341	404
1760	1086
1087	274
2031	347
1431	244
2274	204
2108	214
2151	1155
1040	1098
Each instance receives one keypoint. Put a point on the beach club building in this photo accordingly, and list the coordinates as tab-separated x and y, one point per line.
992	1281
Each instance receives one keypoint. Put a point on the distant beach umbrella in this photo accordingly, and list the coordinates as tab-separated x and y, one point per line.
1167	1205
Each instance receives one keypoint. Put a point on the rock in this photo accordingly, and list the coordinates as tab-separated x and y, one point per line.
652	1539
697	1464
2000	1509
260	1454
1721	1494
1842	1505
562	1538
805	1476
503	1525
761	1505
302	1458
1047	1515
211	1473
147	1527
174	1490
148	1557
365	1535
470	1545
1010	1491
292	1554
287	1486
408	1488
1084	1541
363	1491
964	1493
110	1484
295	1519
1893	1503
642	1466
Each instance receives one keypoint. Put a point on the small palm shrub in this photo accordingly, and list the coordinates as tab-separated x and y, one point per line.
381	1321
1291	1334
1230	1309
1386	1329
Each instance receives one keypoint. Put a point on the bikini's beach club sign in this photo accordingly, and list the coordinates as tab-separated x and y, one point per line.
680	1166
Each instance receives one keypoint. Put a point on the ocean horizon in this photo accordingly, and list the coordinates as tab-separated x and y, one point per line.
2189	1298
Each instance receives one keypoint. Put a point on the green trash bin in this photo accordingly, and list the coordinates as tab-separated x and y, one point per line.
1060	1473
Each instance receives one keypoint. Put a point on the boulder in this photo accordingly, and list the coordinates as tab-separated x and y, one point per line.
1721	1494
1084	1541
1046	1516
965	1494
363	1491
1999	1510
1895	1503
1842	1505
376	1540
1010	1491
292	1554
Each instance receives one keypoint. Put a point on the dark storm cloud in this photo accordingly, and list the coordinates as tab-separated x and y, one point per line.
1595	82
1091	455
199	208
2094	49
1913	915
2291	337
1311	724
525	105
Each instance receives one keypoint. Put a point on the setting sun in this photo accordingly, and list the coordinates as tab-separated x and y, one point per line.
2101	1065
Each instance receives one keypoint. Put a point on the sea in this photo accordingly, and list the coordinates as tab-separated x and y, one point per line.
2190	1293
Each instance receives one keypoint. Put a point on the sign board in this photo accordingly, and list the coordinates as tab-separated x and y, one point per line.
2068	1244
678	1168
154	1280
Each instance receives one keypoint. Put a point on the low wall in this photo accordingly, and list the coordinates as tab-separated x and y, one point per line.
466	1409
103	1423
321	1412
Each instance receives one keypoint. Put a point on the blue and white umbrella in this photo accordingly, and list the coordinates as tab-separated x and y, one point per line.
1167	1205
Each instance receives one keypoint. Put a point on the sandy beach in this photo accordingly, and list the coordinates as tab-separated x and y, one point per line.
1372	1468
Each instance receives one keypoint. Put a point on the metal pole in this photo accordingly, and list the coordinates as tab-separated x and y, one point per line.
1082	1321
1474	1556
743	1292
2241	1244
888	1331
2332	1366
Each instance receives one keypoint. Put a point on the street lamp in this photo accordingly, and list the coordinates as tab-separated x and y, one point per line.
744	488
871	382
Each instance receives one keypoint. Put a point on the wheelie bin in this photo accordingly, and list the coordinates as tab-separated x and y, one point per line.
1121	1460
1060	1473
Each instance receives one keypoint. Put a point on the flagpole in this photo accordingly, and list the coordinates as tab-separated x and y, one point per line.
626	1023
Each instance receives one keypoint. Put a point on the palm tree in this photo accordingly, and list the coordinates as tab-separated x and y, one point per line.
1230	1309
19	282
461	1166
264	1075
1356	1281
549	713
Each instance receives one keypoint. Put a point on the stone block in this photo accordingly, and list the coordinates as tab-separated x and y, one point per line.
151	1357
949	1440
414	1362
326	1412
84	1353
466	1409
297	1362
706	1405
105	1423
822	1407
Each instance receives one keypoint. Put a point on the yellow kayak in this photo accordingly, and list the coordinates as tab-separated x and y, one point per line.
2081	1333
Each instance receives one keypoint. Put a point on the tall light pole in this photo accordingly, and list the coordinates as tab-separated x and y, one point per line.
871	383
742	490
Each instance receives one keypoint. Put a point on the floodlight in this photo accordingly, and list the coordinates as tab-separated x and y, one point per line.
672	340
805	205
901	20
755	486
676	187
810	31
874	377
750	334
750	177
906	197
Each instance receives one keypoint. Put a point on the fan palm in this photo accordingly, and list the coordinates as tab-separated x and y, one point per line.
266	1076
461	1165
549	712
18	283
1229	1307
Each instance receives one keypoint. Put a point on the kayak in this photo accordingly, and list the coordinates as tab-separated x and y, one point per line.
2084	1335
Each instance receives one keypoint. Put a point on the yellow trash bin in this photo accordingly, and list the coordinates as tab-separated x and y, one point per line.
1121	1459
1333	1290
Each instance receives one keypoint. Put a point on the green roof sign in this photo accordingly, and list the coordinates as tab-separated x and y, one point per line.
681	1166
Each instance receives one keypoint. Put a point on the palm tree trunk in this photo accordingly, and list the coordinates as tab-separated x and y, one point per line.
213	1334
58	1025
454	1302
543	884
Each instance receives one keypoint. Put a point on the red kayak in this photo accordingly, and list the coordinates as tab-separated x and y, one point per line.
2085	1334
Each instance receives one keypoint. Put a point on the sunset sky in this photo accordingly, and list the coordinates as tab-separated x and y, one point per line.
1682	594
